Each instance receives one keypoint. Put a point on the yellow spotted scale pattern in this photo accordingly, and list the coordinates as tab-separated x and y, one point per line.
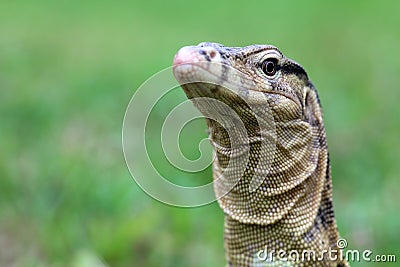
291	208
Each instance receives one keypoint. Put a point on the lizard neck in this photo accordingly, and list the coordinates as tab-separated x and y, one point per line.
292	206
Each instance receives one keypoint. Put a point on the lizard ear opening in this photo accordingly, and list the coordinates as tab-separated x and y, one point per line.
311	107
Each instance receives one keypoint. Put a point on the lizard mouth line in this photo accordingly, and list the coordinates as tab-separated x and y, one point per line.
204	78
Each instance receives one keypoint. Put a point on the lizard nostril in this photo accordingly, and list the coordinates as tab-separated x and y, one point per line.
209	53
212	54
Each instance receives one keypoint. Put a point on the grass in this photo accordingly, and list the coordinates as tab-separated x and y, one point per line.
68	70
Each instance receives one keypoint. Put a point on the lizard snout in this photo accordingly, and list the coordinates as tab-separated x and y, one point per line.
195	54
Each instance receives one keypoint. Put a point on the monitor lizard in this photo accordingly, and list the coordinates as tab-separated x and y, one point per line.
290	209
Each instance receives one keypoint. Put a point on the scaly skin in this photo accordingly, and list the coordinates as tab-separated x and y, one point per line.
280	196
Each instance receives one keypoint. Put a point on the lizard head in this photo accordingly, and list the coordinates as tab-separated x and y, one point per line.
259	74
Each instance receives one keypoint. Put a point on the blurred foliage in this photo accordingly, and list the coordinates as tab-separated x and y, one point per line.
69	68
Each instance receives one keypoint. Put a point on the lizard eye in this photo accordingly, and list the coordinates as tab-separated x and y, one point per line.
268	66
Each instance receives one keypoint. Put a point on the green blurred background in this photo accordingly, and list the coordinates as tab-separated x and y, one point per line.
69	68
